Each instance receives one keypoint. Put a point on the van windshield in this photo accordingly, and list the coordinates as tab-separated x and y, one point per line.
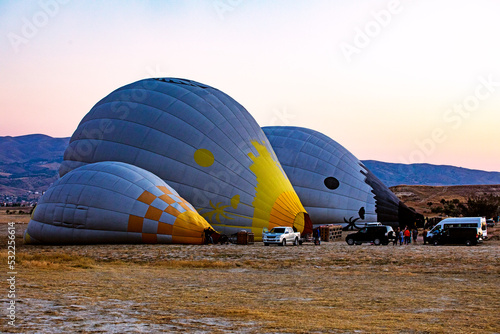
436	228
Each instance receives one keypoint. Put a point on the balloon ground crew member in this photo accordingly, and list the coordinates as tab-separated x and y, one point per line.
208	236
317	236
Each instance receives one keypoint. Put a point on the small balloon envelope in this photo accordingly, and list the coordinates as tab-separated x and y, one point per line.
114	202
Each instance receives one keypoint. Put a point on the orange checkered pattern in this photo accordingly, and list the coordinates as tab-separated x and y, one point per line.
164	208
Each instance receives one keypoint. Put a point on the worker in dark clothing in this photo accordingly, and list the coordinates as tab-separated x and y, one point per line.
317	236
208	236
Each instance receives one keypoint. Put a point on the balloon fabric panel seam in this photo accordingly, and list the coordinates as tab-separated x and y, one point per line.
166	157
193	107
57	202
314	156
95	119
213	107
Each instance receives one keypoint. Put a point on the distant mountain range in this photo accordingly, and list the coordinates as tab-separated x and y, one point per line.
393	174
31	163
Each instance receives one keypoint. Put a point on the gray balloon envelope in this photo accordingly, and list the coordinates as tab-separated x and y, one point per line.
113	202
334	186
201	142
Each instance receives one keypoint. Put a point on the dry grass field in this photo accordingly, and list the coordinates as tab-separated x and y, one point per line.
332	288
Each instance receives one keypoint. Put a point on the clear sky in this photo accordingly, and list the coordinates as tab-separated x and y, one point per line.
396	81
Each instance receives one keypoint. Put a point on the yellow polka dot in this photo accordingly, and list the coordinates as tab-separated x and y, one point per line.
204	157
235	201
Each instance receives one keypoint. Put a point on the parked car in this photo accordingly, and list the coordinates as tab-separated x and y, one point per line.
281	235
373	234
372	224
490	222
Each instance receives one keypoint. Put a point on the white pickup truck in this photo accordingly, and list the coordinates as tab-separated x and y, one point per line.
281	235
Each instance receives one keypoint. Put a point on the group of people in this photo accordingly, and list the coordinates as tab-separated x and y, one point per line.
405	236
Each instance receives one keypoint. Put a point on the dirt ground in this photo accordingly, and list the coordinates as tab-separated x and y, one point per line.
332	288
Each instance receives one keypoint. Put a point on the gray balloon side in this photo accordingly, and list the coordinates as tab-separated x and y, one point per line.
357	197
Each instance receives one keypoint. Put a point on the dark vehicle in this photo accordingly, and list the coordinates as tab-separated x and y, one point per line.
375	234
453	235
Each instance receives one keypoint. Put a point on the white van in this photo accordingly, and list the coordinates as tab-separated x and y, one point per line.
477	222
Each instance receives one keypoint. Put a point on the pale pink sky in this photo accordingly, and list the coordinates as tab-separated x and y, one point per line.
397	81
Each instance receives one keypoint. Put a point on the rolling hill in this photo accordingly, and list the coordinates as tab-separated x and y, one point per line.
393	174
31	162
421	197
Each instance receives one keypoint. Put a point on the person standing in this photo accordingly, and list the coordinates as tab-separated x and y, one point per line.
396	237
317	236
407	235
414	234
401	236
208	236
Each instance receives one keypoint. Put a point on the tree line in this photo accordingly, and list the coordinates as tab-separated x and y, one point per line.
486	205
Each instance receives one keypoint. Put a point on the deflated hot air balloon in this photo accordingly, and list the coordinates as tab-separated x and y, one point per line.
114	202
334	186
202	143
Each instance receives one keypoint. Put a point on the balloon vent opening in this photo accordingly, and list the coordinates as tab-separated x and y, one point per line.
303	223
308	226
